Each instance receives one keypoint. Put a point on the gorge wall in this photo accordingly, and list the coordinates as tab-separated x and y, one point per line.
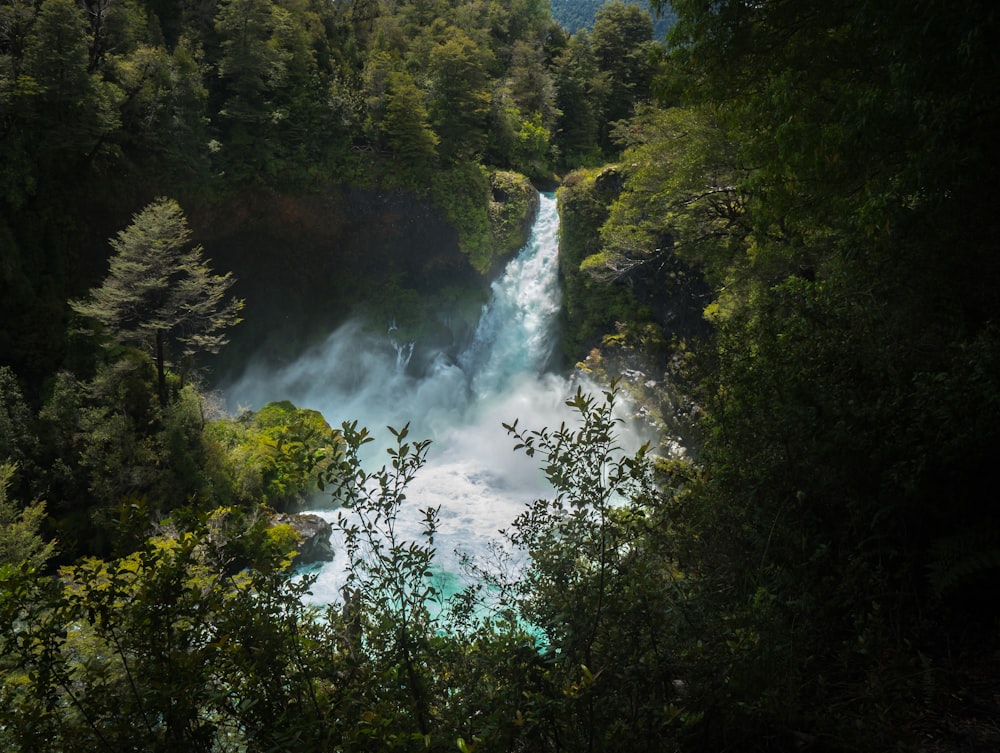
305	263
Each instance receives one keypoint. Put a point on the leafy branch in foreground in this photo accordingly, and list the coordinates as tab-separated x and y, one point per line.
602	587
162	650
388	586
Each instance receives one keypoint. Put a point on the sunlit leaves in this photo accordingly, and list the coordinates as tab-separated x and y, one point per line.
279	455
20	541
162	649
682	194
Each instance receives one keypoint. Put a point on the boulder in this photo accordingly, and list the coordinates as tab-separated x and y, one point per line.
314	536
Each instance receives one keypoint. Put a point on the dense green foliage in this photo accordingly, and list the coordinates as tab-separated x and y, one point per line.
20	528
590	309
200	638
817	178
827	167
275	455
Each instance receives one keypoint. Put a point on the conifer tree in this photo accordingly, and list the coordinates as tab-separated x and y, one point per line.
405	123
20	541
161	292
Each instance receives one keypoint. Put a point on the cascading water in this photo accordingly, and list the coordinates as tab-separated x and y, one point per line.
459	402
515	335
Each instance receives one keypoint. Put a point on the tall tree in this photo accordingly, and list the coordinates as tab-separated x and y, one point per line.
621	42
160	292
252	69
581	90
54	113
460	99
405	123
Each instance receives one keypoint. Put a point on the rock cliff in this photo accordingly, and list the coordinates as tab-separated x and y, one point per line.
305	263
314	536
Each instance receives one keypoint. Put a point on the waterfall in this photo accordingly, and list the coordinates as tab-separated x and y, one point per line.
458	402
516	332
404	351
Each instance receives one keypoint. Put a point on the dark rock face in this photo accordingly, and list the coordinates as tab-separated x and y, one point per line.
314	534
302	263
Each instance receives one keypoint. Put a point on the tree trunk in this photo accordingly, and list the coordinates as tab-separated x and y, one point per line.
161	372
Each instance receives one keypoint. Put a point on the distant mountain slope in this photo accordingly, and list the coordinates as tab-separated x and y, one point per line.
579	14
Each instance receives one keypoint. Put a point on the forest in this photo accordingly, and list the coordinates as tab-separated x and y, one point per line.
573	15
786	209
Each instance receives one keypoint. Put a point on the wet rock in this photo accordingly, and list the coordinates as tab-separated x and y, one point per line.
314	536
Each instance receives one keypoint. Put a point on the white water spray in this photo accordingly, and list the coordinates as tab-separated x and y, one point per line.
472	474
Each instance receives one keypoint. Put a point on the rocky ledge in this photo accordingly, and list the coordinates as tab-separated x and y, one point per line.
314	536
512	210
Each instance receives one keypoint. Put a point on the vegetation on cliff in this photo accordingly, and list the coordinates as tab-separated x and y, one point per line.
513	208
817	167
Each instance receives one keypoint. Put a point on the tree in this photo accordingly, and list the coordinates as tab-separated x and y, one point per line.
621	40
602	587
531	83
252	69
274	456
17	438
163	119
388	583
159	292
54	113
405	123
20	541
460	99
679	196
581	90
165	649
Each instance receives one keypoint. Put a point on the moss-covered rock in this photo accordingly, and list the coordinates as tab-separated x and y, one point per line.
492	212
275	456
513	207
461	194
591	308
310	536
